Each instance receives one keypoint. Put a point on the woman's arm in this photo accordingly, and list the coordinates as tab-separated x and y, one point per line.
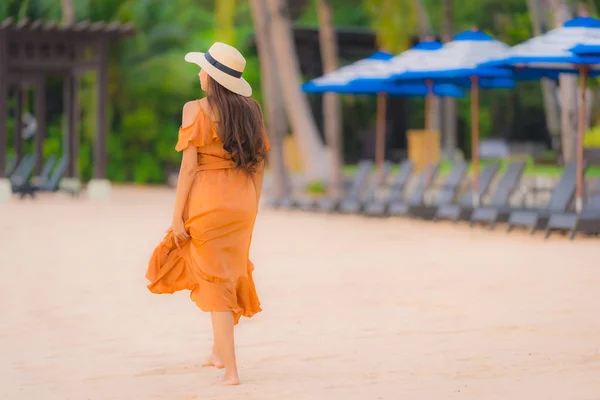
189	162
187	171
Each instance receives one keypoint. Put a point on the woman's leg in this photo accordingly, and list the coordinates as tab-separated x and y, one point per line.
223	331
214	359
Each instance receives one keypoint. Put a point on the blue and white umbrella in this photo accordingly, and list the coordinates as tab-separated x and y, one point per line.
569	49
345	80
360	77
458	62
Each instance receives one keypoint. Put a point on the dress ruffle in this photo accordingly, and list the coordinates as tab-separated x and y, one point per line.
202	132
170	270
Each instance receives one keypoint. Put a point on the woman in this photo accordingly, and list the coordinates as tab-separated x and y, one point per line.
206	249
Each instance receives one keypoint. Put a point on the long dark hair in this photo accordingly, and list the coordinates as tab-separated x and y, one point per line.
241	125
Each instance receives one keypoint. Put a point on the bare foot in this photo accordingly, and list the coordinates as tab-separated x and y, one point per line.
230	381
214	361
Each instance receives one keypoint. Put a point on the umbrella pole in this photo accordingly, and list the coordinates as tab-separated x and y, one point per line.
428	104
475	138
583	74
380	130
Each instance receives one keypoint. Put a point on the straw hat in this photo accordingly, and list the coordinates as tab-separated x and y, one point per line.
225	64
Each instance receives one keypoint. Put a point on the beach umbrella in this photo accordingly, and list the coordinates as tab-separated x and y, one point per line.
346	80
457	62
404	61
568	49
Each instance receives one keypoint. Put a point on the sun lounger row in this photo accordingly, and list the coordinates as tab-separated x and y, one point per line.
365	197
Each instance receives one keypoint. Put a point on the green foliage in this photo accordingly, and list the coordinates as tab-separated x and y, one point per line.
592	138
316	188
150	81
394	22
224	26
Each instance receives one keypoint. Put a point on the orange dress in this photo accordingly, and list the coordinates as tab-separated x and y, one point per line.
219	215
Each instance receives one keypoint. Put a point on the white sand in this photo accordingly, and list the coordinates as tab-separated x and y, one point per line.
353	309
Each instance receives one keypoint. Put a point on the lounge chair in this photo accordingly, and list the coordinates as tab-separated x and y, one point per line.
23	171
51	184
446	194
11	162
498	210
562	195
379	207
417	196
26	188
355	205
359	181
588	220
328	204
464	209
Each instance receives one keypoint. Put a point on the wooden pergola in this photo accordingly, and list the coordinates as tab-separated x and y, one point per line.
30	51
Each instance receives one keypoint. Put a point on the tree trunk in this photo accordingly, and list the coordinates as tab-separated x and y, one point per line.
434	119
423	17
568	94
549	88
332	112
450	123
68	12
275	111
296	103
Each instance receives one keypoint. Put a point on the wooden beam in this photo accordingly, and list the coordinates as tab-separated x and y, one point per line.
40	117
101	112
3	101
71	111
19	122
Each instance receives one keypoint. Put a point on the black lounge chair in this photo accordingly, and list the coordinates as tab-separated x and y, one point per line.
22	172
359	181
356	204
588	220
464	209
399	208
562	196
9	166
446	193
379	207
51	184
27	187
328	204
498	210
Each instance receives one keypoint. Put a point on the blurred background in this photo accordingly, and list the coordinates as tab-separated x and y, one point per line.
149	82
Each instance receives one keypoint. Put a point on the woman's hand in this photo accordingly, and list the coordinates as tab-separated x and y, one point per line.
180	235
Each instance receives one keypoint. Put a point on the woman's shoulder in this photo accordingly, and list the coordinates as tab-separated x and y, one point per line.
190	112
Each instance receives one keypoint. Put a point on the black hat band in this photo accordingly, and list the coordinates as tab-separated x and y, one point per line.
222	67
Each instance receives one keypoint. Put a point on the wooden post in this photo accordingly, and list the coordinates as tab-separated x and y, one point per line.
101	112
583	74
71	134
3	101
40	117
380	130
19	122
428	101
475	138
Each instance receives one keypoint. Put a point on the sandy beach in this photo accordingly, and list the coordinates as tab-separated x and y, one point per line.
354	308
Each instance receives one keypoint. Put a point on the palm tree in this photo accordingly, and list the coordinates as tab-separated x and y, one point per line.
568	93
331	101
296	103
450	127
68	12
273	99
548	86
